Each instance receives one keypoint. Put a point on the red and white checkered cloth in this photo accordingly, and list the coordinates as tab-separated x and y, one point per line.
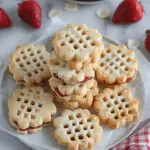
137	141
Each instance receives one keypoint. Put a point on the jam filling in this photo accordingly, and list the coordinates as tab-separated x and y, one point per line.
128	80
85	79
58	93
56	76
44	82
9	73
15	122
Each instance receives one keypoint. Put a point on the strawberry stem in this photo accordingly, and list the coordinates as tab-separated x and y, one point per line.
147	32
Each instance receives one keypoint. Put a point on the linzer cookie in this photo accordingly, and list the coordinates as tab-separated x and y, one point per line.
77	129
117	65
116	107
77	44
79	101
28	64
62	71
30	109
74	95
70	91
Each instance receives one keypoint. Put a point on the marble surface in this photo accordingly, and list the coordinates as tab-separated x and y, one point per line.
86	14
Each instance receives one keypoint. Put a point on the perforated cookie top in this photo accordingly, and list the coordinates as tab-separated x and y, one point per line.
63	72
66	91
30	108
116	65
77	129
28	64
116	107
78	42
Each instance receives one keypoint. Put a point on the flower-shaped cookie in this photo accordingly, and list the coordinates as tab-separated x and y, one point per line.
30	109
117	65
28	64
77	129
116	107
77	43
64	72
71	91
77	101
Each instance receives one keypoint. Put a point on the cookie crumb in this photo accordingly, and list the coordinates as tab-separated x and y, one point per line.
133	43
54	13
103	13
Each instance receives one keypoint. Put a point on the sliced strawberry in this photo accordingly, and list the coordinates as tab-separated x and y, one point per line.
31	13
4	19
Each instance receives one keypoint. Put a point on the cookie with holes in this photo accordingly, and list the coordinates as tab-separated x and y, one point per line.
28	64
62	71
30	109
77	129
69	92
117	65
77	101
116	107
77	44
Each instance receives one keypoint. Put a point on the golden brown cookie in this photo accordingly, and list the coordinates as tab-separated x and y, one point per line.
28	64
62	71
77	44
72	91
77	129
77	101
116	107
30	109
117	65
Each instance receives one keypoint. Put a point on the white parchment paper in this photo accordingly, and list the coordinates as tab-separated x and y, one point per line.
44	139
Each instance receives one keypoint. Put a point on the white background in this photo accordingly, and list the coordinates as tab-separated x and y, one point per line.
20	34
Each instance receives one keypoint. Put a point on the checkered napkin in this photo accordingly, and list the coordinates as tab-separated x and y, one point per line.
137	141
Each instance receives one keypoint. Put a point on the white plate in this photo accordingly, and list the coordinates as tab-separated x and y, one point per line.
43	140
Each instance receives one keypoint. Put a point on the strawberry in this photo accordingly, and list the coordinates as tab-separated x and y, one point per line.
129	11
147	40
4	19
31	13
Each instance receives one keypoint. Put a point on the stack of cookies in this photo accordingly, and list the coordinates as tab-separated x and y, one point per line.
76	51
30	108
77	64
